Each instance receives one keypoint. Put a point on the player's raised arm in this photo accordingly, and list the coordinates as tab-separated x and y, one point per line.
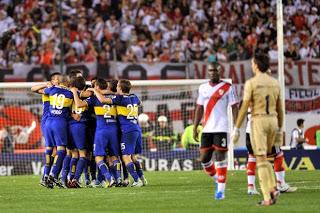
39	88
78	102
101	97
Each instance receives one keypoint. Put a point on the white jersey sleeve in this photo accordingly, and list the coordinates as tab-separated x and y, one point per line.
201	98
232	96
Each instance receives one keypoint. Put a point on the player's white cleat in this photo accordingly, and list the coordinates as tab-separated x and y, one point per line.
286	188
137	184
252	191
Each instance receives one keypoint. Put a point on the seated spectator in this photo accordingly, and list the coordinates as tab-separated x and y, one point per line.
164	136
187	140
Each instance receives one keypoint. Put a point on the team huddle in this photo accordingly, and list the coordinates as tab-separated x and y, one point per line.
80	122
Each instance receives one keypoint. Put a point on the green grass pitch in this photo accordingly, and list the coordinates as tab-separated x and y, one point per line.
167	192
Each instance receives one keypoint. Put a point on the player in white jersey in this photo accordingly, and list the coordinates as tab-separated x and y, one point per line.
214	98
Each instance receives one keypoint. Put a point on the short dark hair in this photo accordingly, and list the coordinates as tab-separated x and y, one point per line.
74	73
262	61
53	74
65	80
78	82
300	121
214	66
113	85
125	85
101	83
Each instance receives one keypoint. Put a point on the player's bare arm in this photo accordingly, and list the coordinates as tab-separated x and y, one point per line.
39	88
78	102
197	119
86	94
235	112
100	97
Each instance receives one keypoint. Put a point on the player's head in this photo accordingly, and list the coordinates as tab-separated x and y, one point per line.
78	82
163	121
54	78
300	123
124	86
64	80
93	81
112	85
260	63
214	71
75	73
100	84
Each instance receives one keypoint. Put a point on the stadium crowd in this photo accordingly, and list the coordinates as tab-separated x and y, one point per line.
153	31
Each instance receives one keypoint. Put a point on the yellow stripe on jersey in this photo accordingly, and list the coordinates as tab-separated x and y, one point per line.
45	98
130	110
60	102
106	110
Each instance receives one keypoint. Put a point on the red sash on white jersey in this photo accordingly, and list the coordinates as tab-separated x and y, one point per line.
215	97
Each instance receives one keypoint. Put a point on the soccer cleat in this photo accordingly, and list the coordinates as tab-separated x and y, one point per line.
118	182
126	182
88	184
144	181
98	184
219	196
56	182
112	183
252	191
46	183
286	188
274	196
75	184
265	203
137	184
43	182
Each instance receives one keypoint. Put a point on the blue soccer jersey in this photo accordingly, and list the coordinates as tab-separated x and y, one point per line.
45	115
127	109
61	100
78	129
106	137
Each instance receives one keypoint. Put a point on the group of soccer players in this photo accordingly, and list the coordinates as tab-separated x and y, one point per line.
87	128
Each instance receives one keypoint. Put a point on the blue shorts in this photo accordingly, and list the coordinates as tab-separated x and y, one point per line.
106	142
57	131
131	143
48	143
78	135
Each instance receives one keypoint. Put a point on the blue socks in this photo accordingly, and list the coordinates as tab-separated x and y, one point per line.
57	164
65	168
72	166
49	161
104	170
139	169
132	171
80	166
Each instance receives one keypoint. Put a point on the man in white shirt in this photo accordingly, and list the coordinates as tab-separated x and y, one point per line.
214	98
297	136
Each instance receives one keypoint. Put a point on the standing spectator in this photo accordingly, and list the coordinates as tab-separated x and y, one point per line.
164	136
299	20
147	132
297	136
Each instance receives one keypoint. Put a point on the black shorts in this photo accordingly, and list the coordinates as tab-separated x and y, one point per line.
273	153
214	141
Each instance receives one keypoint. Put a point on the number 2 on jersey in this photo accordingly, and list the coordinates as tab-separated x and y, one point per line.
107	109
133	111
